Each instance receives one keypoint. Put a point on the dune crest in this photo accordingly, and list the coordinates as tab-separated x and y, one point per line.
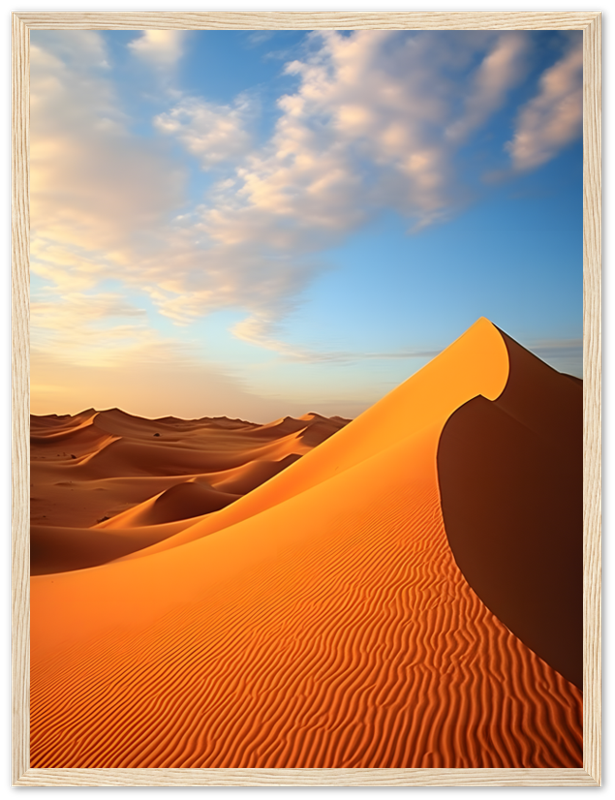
325	623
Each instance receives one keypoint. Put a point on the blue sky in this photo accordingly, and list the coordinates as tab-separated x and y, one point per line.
261	223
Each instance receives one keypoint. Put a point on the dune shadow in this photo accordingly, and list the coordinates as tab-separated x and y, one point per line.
511	483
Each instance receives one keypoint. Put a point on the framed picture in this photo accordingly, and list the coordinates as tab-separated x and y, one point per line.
306	315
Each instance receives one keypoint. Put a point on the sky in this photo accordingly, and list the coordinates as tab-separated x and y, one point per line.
260	223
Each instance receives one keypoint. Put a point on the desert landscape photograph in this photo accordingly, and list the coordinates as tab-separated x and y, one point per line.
306	386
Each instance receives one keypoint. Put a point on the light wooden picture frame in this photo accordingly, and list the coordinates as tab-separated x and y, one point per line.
590	24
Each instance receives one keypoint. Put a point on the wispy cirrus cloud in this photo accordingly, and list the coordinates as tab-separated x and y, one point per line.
264	332
501	69
257	38
553	118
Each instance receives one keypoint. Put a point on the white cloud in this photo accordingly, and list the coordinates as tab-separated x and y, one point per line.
365	129
163	48
554	117
83	49
96	191
210	132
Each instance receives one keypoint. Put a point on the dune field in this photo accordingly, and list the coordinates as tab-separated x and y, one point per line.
402	590
107	483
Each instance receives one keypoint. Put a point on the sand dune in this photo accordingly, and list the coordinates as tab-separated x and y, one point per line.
477	363
245	479
321	620
181	501
112	470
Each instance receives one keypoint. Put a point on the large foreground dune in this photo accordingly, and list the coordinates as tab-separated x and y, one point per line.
343	612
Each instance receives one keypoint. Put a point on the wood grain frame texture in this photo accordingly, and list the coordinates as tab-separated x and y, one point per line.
590	23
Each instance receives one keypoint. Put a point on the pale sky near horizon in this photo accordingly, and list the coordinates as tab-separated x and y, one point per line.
264	223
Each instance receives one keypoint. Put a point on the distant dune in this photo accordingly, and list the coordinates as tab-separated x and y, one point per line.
323	616
106	483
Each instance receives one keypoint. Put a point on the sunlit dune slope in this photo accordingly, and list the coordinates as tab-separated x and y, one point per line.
329	627
477	363
115	472
511	482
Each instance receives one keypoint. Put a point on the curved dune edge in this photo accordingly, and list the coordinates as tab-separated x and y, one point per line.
333	629
511	485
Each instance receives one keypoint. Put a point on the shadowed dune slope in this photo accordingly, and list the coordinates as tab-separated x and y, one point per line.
332	628
57	549
511	484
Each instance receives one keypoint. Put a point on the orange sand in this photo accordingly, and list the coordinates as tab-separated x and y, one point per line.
319	621
105	484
